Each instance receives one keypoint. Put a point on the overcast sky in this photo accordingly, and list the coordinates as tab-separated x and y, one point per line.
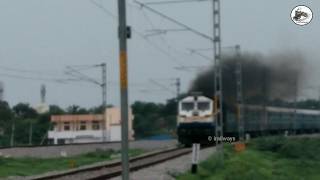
39	38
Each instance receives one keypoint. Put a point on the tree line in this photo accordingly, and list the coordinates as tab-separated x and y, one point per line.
21	125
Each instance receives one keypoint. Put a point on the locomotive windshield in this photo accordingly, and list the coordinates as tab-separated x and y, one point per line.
187	106
203	106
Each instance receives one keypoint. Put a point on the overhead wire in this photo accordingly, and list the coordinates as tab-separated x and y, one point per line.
162	86
63	81
17	70
205	36
161	37
186	27
141	35
172	2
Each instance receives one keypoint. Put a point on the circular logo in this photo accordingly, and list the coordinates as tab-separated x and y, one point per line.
301	15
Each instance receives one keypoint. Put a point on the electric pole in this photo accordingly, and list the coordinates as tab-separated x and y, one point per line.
239	94
263	122
104	99
124	33
43	93
12	134
295	105
30	133
178	84
218	114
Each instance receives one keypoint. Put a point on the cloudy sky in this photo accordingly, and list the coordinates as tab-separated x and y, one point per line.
39	38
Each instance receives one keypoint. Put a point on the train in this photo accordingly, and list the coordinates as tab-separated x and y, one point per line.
196	124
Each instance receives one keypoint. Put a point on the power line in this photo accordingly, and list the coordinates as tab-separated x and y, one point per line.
6	68
154	32
161	31
143	5
63	81
162	86
106	11
77	74
190	68
194	51
172	2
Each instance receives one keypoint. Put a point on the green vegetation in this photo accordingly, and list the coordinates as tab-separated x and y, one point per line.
23	117
154	119
265	159
32	166
150	119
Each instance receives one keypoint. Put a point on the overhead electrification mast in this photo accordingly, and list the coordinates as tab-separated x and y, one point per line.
218	115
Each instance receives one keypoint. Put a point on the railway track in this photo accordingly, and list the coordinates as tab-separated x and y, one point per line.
114	169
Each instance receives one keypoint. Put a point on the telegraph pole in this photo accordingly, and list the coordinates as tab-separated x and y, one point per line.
104	99
178	84
30	133
12	134
217	77
239	94
295	105
263	122
124	33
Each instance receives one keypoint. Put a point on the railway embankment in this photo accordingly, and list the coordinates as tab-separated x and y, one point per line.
265	158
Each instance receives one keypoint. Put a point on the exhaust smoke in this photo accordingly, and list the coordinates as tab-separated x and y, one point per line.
264	78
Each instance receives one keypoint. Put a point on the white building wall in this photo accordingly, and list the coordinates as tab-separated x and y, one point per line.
76	135
115	132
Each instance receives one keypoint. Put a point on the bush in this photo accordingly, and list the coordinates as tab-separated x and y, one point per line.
289	147
305	148
100	153
272	144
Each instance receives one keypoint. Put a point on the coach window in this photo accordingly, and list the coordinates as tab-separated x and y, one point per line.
83	125
66	126
187	106
203	106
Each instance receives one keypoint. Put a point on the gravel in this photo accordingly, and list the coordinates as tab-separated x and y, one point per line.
168	169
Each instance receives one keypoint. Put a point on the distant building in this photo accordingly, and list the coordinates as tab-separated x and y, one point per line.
41	108
88	128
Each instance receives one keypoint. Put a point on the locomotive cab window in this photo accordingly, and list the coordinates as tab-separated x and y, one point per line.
203	106
187	106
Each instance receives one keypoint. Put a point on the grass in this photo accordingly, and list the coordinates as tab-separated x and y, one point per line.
264	159
31	166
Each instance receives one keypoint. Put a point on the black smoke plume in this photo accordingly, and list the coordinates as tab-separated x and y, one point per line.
264	78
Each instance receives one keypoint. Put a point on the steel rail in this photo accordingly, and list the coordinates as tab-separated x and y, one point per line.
114	169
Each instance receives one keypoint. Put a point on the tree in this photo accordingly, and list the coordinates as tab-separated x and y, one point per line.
75	109
6	116
98	109
5	111
153	119
54	109
24	111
